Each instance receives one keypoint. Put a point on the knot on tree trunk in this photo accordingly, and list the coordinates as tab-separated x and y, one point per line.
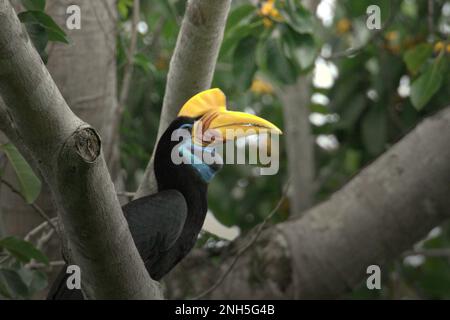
87	144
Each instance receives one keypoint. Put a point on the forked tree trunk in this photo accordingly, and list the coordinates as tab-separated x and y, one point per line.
85	72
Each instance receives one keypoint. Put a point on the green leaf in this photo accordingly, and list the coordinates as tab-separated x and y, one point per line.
244	62
38	5
4	290
44	20
417	56
297	17
39	38
35	280
300	48
424	88
142	61
22	250
30	185
351	112
352	160
274	63
374	130
239	32
318	108
38	282
12	280
122	7
240	15
56	36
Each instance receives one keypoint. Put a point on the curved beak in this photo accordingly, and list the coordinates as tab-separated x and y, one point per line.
223	125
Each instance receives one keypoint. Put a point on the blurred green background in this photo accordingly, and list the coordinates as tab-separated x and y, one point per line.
361	101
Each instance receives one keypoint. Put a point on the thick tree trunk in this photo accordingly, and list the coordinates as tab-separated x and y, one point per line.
69	156
384	210
85	72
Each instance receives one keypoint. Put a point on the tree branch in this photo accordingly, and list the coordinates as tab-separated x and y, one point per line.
430	253
69	155
258	230
300	153
127	76
192	64
128	70
301	164
384	210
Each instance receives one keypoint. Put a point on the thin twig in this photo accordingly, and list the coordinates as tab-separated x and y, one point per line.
51	264
259	230
126	194
42	241
155	36
33	205
127	76
435	253
39	228
128	70
431	17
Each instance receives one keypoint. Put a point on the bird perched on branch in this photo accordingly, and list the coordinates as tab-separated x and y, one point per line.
165	226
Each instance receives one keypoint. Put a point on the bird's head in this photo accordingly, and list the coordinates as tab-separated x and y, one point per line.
202	123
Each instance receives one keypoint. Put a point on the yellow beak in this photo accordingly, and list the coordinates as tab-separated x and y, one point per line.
216	123
223	125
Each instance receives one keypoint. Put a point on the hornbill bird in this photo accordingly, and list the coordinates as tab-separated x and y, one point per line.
165	226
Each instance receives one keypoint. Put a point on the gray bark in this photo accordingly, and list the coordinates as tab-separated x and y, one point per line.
301	160
299	138
384	210
85	70
69	156
192	65
300	142
85	73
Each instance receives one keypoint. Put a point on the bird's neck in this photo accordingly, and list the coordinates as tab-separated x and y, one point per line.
185	179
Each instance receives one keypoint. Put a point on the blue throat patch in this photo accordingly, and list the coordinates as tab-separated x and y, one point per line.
191	152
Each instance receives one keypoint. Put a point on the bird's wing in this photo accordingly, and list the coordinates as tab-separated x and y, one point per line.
156	222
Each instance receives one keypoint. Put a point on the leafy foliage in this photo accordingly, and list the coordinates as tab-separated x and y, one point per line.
370	103
30	185
424	87
40	26
17	280
281	47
